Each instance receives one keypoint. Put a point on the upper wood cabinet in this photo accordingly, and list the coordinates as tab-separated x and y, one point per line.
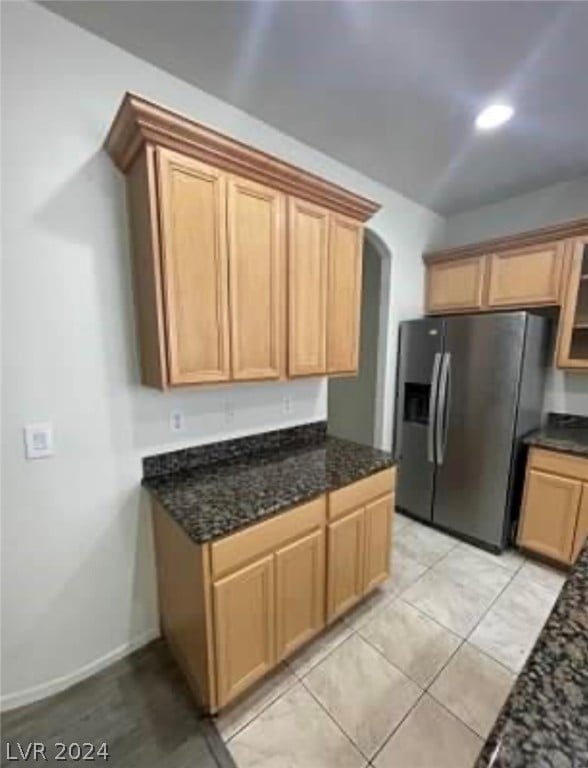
194	257
308	241
245	267
257	250
572	339
526	277
456	285
344	294
545	267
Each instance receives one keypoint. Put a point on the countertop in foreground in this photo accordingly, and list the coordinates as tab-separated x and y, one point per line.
220	498
544	723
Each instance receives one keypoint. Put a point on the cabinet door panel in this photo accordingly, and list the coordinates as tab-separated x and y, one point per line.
455	285
345	563
244	627
307	268
549	514
378	519
193	226
582	527
344	295
300	591
527	277
256	278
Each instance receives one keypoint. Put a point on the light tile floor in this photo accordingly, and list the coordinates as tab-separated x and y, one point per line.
414	677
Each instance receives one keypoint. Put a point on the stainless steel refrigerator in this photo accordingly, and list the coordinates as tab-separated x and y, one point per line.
468	387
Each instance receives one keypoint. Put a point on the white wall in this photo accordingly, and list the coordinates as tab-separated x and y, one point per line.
564	392
540	208
77	565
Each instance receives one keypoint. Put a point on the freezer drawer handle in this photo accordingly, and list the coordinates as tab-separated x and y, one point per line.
443	406
432	413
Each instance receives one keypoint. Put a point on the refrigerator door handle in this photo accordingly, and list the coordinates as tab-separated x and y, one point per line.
432	408
443	406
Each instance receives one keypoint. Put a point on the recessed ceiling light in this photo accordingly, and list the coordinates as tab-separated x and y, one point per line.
494	116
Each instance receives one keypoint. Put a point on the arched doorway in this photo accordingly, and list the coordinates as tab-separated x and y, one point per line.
359	407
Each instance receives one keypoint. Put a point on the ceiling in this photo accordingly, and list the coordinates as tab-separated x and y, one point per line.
388	88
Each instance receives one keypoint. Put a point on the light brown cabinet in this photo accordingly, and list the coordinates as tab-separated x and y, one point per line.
324	258
346	553
243	607
245	267
308	251
550	511
233	608
554	520
300	592
582	526
359	535
194	261
526	277
455	286
344	294
378	523
572	340
256	227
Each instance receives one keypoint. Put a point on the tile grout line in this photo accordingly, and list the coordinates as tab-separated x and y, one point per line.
242	727
339	726
299	679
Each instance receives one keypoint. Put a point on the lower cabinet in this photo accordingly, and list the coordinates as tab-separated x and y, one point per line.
346	552
359	540
549	515
300	592
554	514
233	608
378	523
244	607
582	526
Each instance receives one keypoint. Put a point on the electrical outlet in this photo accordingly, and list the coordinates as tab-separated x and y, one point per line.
287	405
176	421
229	411
38	441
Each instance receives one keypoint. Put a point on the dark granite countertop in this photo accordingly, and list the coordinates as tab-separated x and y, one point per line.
562	432
544	723
244	484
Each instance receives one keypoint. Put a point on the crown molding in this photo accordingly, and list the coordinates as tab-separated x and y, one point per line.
573	228
139	122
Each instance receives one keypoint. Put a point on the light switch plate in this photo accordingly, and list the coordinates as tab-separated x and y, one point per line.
38	440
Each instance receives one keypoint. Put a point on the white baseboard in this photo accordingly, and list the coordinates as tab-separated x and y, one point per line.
37	692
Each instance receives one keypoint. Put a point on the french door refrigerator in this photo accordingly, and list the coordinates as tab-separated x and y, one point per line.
468	387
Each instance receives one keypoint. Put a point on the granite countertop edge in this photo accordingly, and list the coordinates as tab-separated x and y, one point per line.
543	721
369	462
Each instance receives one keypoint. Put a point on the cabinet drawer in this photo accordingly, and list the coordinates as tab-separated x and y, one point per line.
559	463
229	554
359	493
